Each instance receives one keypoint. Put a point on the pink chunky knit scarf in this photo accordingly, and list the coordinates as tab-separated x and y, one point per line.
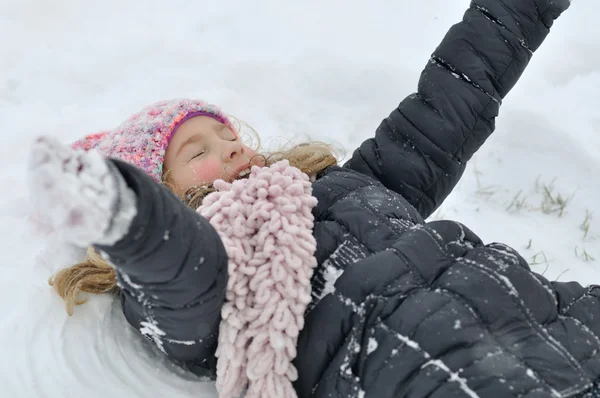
265	223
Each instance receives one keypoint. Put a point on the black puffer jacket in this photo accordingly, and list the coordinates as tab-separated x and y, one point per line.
401	308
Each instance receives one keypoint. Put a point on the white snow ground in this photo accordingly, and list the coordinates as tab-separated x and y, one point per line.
330	70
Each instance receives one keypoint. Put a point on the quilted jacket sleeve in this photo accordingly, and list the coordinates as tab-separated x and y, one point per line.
172	270
421	148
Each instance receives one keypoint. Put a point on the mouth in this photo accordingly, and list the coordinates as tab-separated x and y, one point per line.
242	172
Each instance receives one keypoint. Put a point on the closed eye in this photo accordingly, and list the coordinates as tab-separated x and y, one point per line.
224	132
198	154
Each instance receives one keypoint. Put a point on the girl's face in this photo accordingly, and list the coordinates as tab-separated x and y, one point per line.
203	150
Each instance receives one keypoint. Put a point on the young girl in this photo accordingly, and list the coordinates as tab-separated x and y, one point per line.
398	307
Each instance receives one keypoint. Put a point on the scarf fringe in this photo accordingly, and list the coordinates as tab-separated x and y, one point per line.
265	223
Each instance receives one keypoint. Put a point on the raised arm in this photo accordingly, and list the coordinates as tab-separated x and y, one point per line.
172	270
420	150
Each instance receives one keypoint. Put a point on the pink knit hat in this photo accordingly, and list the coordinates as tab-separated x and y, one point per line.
142	140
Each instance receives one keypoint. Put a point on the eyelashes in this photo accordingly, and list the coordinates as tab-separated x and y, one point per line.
202	152
198	155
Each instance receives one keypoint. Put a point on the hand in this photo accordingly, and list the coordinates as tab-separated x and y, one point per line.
79	195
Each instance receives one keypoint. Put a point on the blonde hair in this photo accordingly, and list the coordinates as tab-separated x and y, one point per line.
95	275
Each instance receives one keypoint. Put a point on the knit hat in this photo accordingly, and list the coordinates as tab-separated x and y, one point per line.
142	140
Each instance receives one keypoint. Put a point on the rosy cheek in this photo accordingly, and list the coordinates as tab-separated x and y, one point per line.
207	170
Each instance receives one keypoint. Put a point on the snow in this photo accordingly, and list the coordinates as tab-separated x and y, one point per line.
372	345
437	363
330	275
453	377
77	194
315	69
150	329
128	280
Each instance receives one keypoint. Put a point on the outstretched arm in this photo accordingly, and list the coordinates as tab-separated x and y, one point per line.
170	262
420	150
172	270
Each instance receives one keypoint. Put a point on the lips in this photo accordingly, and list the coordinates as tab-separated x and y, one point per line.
242	172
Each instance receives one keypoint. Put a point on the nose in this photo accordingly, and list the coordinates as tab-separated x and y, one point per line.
232	150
